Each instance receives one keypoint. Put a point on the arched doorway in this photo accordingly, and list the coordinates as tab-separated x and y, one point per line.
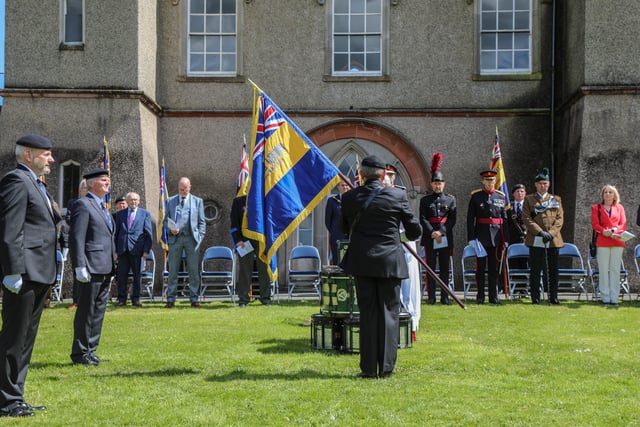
346	142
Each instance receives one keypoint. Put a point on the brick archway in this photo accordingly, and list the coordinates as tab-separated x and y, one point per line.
390	139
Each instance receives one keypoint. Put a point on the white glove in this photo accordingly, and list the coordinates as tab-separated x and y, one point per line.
13	282
64	252
82	274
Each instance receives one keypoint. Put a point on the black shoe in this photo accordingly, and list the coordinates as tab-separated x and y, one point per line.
95	358
535	301
265	302
27	407
445	302
86	360
121	303
136	304
242	305
366	375
431	302
386	374
18	411
554	302
480	301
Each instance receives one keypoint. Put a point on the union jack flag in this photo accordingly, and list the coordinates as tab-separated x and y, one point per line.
244	172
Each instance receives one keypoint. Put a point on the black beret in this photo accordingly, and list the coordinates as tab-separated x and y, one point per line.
488	173
34	141
374	162
94	173
518	187
121	199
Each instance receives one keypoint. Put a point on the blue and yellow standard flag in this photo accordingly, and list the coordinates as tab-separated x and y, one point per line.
289	177
105	163
496	164
162	208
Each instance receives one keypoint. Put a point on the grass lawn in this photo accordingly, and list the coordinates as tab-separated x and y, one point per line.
515	364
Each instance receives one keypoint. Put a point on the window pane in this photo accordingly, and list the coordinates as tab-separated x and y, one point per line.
488	60
196	24
341	24
213	24
229	24
505	21
196	63
521	21
213	6
489	5
340	62
374	24
341	6
213	63
357	6
505	41
373	62
357	62
521	60
521	41
197	6
522	5
488	41
341	43
488	21
73	29
74	7
196	43
374	6
357	24
229	44
505	5
229	63
213	44
504	60
228	6
372	44
357	44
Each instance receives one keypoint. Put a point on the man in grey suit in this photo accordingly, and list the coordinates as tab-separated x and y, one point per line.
93	253
133	243
27	266
371	216
186	225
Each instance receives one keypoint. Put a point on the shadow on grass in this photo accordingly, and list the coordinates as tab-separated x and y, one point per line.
283	346
302	374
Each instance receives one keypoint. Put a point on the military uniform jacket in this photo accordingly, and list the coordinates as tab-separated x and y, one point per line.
486	218
543	215
27	228
437	213
375	249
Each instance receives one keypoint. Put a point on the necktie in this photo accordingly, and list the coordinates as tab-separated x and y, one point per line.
182	202
131	214
107	215
518	210
43	190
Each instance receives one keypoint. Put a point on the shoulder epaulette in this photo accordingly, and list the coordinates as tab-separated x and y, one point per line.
499	192
475	191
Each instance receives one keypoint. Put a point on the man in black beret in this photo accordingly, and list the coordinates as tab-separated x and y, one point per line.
28	238
371	216
92	250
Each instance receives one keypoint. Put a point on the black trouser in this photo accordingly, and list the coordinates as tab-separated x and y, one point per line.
129	262
87	324
539	266
244	279
20	320
442	256
379	303
489	263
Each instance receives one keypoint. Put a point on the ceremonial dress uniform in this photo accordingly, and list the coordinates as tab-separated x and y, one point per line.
437	213
485	222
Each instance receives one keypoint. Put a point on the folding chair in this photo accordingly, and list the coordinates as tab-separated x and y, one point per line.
218	271
148	274
636	255
304	270
571	278
56	291
517	256
594	276
469	263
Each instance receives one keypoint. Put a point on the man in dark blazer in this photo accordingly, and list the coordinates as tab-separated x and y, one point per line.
332	221
186	226
27	266
372	215
134	237
93	254
82	191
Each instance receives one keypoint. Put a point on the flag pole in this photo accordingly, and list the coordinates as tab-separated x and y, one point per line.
255	86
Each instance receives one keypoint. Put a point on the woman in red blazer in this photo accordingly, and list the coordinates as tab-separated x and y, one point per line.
608	220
